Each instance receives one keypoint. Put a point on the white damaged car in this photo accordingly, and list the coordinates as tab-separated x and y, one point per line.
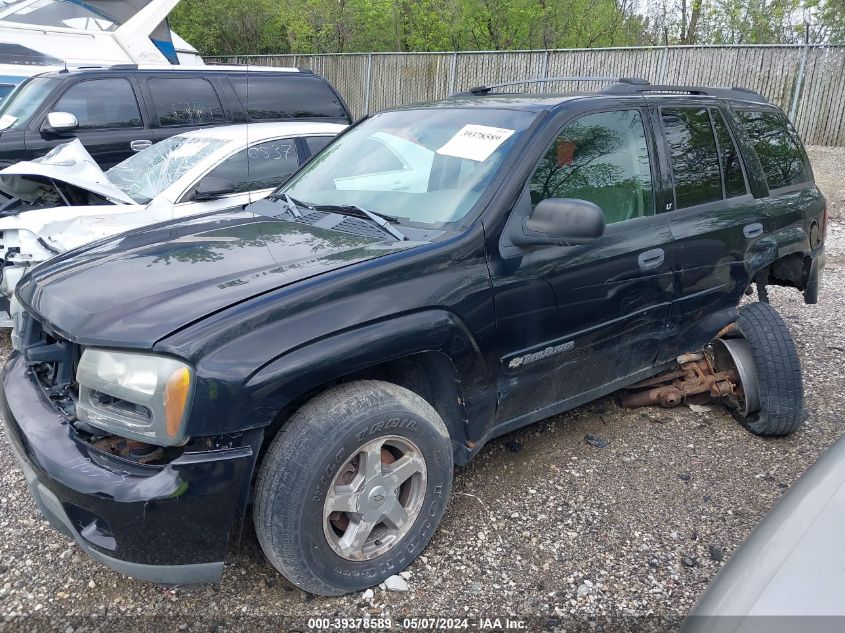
64	200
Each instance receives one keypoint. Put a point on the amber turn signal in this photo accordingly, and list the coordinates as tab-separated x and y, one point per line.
175	399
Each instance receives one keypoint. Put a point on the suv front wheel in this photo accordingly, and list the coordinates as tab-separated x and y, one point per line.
353	487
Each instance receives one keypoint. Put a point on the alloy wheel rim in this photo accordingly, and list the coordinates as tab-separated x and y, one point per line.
374	498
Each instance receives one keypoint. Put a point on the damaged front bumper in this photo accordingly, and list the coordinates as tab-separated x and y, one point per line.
168	524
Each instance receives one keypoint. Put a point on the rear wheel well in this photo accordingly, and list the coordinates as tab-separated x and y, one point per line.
790	270
431	375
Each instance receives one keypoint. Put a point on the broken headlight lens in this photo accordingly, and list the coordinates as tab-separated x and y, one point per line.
138	396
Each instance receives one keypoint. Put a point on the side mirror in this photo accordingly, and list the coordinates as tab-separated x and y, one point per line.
59	122
560	221
212	187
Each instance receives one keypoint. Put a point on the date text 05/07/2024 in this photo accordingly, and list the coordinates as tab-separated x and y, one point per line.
417	623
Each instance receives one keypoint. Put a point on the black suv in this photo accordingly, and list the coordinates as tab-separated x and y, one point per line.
124	109
439	275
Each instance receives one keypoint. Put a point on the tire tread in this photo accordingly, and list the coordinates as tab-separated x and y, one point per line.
778	370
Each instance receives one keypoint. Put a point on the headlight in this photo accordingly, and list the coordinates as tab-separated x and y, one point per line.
138	396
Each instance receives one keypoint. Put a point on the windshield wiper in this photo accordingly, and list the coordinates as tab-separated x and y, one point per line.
291	205
382	220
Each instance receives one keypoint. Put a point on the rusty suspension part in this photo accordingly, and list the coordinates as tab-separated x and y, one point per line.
130	449
695	377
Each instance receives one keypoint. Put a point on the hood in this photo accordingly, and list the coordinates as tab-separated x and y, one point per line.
135	289
69	163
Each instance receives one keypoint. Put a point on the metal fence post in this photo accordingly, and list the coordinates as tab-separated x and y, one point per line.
367	84
798	82
661	66
545	69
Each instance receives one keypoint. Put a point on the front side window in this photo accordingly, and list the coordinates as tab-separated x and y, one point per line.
428	166
189	101
22	103
776	144
146	174
602	158
692	151
262	166
101	104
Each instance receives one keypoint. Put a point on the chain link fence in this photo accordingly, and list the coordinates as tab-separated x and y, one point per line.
808	82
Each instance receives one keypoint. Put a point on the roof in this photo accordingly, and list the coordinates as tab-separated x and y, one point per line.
211	68
256	132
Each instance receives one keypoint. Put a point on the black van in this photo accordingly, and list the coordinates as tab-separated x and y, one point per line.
123	109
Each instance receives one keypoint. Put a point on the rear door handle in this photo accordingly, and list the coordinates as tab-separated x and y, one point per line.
651	259
140	145
752	230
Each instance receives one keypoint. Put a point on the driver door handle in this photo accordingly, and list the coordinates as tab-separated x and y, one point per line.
140	145
652	259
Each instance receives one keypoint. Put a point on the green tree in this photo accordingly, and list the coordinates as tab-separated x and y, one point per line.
218	27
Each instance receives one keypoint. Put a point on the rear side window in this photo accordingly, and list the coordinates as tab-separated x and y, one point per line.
729	157
317	143
262	166
272	98
778	148
101	103
188	101
602	158
692	151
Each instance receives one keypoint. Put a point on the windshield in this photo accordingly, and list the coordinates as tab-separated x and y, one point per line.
427	166
16	109
148	173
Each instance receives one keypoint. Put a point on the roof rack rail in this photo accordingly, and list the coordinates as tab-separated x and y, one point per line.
484	90
632	85
123	67
725	92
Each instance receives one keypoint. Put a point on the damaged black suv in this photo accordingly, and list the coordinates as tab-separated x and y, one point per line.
439	275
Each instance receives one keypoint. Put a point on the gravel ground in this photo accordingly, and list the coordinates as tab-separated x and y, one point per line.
541	524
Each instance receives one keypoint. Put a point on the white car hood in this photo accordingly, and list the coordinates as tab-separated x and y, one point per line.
37	220
69	163
99	222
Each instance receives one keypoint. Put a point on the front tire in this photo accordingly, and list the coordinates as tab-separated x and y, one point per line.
763	353
353	487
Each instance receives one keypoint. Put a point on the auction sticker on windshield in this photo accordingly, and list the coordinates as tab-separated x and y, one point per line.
7	120
475	142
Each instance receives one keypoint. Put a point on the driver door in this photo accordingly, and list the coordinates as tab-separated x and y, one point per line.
573	319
